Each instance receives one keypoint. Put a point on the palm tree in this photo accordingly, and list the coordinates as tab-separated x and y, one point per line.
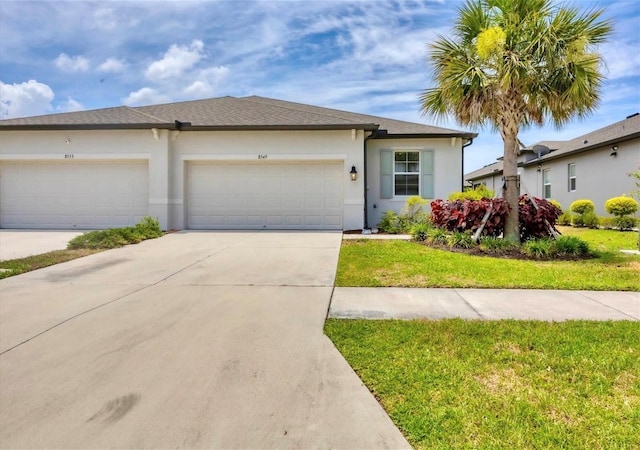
514	63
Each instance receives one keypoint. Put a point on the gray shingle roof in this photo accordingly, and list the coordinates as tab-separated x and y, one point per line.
227	113
621	131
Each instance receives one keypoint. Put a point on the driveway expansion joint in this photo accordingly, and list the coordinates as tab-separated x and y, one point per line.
584	294
469	304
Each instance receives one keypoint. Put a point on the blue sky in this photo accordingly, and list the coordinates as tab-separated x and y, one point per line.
361	56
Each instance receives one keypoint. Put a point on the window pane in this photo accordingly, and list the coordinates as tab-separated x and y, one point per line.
413	167
572	184
572	170
414	156
400	156
407	184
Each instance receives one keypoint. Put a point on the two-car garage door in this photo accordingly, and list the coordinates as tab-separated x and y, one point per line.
219	195
72	194
265	195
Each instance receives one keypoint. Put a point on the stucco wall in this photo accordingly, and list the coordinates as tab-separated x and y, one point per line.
447	175
599	176
168	152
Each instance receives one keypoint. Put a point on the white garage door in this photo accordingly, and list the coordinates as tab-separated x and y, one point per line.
72	194
265	195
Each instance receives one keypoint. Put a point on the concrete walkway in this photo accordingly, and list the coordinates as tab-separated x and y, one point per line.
487	304
193	340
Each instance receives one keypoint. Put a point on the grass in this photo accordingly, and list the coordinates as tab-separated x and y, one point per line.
408	264
13	267
506	384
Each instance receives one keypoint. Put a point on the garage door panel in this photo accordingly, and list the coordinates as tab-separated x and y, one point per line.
72	194
294	195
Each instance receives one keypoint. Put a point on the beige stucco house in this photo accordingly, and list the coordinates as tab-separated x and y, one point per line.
593	166
221	163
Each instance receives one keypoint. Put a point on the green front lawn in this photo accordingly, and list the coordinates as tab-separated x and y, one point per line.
507	384
409	264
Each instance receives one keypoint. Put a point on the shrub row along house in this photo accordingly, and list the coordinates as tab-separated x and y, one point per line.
594	166
220	163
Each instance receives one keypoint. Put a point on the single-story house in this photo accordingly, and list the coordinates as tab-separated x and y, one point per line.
220	163
593	166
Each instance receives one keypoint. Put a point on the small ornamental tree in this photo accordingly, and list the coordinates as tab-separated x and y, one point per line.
582	206
622	208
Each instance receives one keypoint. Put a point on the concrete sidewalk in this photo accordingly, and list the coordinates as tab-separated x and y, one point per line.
483	304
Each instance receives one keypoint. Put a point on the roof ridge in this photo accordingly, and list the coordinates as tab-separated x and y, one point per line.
142	113
271	103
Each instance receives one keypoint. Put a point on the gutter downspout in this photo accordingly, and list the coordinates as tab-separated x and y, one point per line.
469	142
364	178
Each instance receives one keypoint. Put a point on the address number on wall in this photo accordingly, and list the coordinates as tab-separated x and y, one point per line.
262	156
69	156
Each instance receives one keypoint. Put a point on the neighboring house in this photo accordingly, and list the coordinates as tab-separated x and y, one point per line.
221	163
594	166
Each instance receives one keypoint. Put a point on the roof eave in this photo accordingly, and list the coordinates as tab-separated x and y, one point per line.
424	135
551	156
92	126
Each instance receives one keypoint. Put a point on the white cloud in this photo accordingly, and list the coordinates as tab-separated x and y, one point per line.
145	96
175	61
112	65
105	18
207	82
25	99
70	105
72	63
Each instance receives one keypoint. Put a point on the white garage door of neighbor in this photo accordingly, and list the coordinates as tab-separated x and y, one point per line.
265	195
73	194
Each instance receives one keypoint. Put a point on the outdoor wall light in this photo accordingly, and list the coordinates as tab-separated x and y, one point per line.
614	151
353	173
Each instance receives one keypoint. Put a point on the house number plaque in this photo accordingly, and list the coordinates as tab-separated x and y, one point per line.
262	156
68	156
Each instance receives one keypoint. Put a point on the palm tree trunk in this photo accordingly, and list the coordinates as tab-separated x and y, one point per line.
511	187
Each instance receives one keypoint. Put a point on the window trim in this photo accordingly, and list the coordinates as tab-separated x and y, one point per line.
418	172
571	178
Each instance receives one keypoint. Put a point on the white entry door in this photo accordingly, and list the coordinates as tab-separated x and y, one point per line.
265	195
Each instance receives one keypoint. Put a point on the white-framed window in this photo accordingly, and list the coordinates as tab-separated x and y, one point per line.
572	177
406	172
546	183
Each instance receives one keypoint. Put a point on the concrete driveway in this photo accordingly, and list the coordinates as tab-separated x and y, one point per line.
194	340
22	243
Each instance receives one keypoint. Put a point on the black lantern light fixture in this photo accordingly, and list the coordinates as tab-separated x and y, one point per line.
614	151
353	173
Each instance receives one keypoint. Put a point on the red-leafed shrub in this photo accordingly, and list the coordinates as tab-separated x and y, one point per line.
467	215
535	222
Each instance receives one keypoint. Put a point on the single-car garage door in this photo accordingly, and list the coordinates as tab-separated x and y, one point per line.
72	194
265	195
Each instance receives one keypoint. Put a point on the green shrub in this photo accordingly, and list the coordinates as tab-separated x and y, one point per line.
564	219
437	236
420	230
539	248
413	210
621	206
582	206
495	244
478	193
147	228
556	204
459	239
590	220
624	223
606	222
571	245
390	223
